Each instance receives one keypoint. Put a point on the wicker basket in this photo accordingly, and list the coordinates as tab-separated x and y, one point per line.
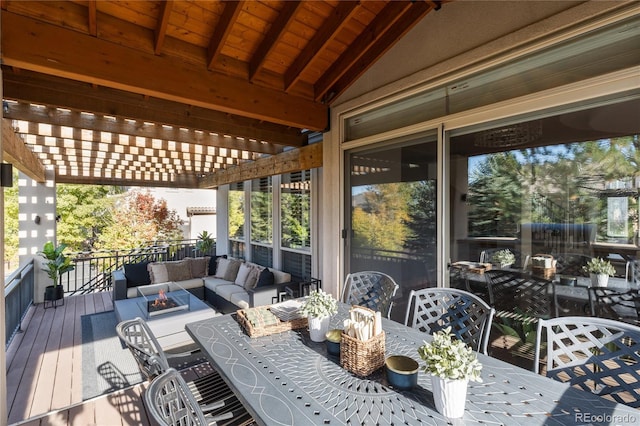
544	272
269	329
362	358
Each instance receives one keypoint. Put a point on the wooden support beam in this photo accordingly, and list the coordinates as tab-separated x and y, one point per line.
308	157
223	28
49	49
31	87
163	21
15	151
180	181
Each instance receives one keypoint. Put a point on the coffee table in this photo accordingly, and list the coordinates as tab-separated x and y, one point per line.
167	327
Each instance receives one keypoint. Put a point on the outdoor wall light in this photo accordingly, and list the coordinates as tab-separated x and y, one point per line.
36	220
6	175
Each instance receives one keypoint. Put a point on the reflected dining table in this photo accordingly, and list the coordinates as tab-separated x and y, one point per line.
287	379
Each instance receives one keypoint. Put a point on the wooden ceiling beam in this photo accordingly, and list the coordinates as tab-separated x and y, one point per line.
341	16
180	181
163	21
30	87
273	36
405	22
50	49
376	29
14	151
308	157
118	126
223	28
92	14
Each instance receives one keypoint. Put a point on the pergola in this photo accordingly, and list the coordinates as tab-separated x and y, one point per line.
192	94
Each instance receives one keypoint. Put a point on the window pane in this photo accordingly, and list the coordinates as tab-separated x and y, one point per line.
236	211
296	210
261	211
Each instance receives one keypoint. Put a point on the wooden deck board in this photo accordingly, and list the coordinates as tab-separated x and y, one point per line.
44	371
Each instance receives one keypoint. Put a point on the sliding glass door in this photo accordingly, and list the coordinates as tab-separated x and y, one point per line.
391	214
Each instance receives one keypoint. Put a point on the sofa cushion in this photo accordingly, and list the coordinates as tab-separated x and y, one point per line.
136	274
186	284
147	290
158	272
199	266
240	299
281	277
265	278
225	291
179	270
228	269
212	283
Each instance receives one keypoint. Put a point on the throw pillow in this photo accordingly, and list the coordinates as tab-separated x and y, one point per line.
178	271
158	272
221	268
213	263
266	278
199	266
232	270
252	278
243	273
136	274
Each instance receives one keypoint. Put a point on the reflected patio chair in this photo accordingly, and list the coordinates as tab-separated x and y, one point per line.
613	304
521	294
154	361
572	264
170	402
371	289
632	272
597	355
434	309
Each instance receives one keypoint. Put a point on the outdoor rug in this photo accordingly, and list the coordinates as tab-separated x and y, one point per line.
107	365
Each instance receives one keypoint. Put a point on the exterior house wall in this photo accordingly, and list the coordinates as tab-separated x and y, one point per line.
455	39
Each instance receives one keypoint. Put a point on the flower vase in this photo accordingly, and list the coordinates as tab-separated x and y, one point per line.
599	280
318	328
449	396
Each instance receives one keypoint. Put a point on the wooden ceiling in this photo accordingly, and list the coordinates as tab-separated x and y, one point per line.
179	93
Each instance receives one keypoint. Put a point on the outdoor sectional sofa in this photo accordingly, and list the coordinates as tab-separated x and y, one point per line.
227	284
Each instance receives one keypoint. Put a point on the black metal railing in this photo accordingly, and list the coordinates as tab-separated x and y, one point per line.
18	296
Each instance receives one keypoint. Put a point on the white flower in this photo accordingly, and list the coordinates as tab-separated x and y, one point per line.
450	358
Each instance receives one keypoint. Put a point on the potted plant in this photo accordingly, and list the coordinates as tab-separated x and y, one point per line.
599	271
503	258
318	307
56	265
451	364
204	243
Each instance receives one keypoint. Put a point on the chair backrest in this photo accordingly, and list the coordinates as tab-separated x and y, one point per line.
144	346
572	264
632	273
609	303
513	291
595	354
434	309
371	289
170	402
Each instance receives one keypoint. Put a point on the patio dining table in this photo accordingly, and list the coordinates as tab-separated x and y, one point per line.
286	379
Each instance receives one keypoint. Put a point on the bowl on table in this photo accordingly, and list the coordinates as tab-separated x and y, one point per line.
402	371
333	341
567	280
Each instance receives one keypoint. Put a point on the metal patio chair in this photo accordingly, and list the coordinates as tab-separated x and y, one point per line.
521	293
597	355
632	272
154	361
373	290
613	304
170	402
434	309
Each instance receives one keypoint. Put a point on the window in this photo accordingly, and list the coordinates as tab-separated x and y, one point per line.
295	199
262	221
236	220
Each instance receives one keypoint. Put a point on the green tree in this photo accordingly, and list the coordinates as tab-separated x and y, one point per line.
381	220
296	224
11	226
137	218
85	211
236	213
422	216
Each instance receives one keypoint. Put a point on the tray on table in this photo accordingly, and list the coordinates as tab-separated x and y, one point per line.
255	330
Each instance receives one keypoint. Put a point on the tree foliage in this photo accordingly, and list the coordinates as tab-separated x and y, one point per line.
11	226
137	218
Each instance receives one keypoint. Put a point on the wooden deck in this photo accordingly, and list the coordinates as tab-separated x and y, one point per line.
44	371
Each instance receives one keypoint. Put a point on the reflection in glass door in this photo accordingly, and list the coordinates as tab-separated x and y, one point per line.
391	221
